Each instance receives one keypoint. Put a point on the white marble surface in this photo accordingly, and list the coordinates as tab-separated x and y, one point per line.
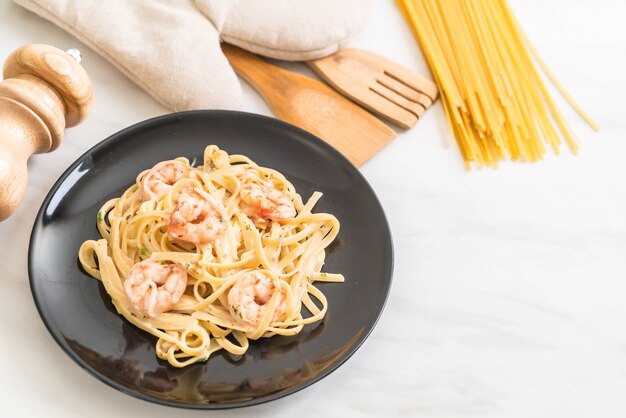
509	296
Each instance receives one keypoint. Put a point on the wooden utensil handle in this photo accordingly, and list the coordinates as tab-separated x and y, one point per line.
260	74
44	91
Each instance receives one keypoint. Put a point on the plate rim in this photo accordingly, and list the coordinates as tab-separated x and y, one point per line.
208	406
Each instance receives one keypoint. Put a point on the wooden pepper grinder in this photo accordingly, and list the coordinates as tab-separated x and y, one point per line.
44	91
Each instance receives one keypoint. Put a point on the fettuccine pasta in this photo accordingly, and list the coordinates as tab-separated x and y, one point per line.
207	258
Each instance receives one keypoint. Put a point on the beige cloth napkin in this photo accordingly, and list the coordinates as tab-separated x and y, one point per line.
171	48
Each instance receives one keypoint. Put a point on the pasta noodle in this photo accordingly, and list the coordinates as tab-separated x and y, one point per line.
211	257
493	95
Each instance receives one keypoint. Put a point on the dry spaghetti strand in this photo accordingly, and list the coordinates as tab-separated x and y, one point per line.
494	97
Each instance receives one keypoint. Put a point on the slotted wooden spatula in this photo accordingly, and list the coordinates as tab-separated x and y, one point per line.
378	84
313	106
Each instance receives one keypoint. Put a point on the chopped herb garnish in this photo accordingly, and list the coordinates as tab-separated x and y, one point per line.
248	227
100	216
144	250
237	312
323	274
222	220
127	217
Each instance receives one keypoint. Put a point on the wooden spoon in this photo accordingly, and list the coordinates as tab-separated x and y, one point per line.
313	106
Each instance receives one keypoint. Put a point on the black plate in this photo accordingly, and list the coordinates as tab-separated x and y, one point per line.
82	320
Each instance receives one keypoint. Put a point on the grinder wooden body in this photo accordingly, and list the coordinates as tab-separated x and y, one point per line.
44	91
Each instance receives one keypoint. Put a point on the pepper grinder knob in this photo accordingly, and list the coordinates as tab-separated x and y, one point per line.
44	91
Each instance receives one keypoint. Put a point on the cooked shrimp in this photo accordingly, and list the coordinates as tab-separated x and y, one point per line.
162	176
263	202
249	296
154	288
197	218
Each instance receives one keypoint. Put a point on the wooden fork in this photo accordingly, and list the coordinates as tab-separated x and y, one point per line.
313	106
378	84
